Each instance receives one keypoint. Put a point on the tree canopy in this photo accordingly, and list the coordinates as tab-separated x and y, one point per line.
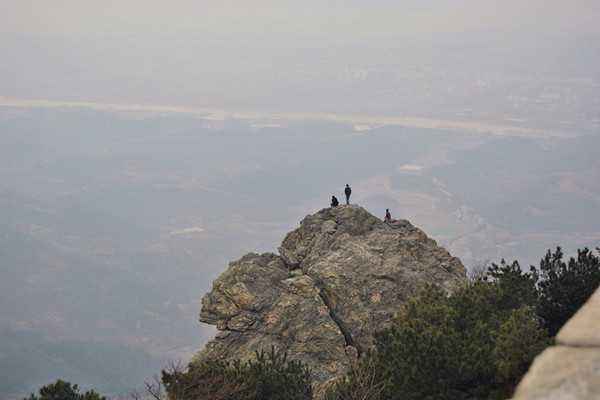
271	376
565	285
479	341
62	390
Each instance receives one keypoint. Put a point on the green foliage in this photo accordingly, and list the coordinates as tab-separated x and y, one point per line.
518	341
363	382
478	342
425	352
61	390
515	286
455	347
475	343
270	377
565	286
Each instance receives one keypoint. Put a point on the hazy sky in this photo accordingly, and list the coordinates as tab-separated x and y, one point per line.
308	16
375	56
86	194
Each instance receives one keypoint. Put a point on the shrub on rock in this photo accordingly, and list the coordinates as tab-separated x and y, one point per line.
271	376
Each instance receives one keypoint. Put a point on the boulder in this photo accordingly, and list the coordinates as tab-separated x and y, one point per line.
571	369
339	278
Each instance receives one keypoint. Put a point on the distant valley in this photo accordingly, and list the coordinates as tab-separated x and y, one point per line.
113	223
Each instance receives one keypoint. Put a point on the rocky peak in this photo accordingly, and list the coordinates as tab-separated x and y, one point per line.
338	279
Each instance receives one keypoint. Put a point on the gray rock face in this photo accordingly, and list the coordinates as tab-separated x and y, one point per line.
583	330
571	369
339	278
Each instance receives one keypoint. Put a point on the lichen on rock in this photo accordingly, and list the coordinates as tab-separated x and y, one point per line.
340	277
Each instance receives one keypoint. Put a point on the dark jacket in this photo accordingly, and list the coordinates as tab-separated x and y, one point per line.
334	201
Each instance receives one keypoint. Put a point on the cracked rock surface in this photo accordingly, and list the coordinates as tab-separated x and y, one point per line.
570	370
339	278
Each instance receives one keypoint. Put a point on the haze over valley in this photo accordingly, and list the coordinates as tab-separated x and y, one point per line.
136	162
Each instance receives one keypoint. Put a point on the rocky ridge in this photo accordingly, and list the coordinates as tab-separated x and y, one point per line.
338	279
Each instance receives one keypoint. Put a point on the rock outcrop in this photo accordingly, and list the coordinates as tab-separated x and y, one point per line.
338	279
570	370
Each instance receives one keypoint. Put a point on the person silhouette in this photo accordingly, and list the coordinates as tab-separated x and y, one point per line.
388	216
334	201
348	192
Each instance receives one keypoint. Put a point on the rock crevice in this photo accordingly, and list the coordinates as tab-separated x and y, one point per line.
338	321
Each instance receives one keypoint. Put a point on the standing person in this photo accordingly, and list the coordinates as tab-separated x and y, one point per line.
334	201
388	216
348	192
